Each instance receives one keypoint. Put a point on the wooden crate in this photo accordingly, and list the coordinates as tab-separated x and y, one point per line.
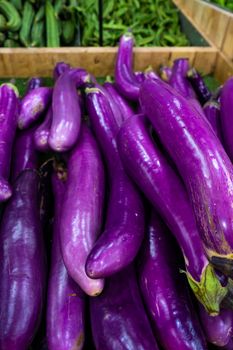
215	24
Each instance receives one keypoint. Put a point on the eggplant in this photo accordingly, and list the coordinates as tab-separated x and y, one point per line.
123	105
119	243
25	156
22	265
150	74
34	83
81	216
165	292
229	346
202	162
165	73
66	119
218	329
41	135
65	300
199	85
126	81
212	113
226	105
156	178
9	104
118	318
32	106
59	69
140	76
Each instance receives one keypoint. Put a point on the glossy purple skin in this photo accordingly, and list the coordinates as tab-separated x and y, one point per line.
165	73
123	105
33	105
165	293
22	265
153	174
140	76
218	329
59	69
125	79
229	346
119	243
199	85
212	113
66	120
150	74
65	301
80	77
34	83
8	123
226	110
201	160
81	217
25	156
118	318
41	135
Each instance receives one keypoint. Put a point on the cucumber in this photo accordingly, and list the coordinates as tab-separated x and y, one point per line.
40	14
28	16
52	30
12	15
2	38
37	34
17	4
3	23
11	43
68	31
13	35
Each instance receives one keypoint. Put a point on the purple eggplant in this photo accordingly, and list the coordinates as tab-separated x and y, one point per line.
154	175
9	104
65	301
59	69
81	216
33	105
22	265
125	79
25	156
202	162
212	113
66	119
41	135
226	103
118	318
150	74
218	329
81	77
198	85
165	292
228	346
140	76
165	73
34	83
118	245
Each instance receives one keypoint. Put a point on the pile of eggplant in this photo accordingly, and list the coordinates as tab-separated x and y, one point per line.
117	211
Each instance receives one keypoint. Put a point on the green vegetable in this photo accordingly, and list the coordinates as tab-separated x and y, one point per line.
12	15
52	30
17	4
37	34
11	43
58	5
68	31
2	38
40	13
2	22
28	16
13	35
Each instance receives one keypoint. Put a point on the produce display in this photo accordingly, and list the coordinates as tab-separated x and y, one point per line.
55	23
116	210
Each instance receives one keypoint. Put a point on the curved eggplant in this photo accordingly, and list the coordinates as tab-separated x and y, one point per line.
118	245
140	76
41	135
59	69
198	85
8	123
66	119
153	174
65	301
34	83
81	216
118	318
165	73
165	293
22	265
212	113
226	107
202	162
33	105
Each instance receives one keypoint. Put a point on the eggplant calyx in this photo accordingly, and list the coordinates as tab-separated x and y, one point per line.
208	290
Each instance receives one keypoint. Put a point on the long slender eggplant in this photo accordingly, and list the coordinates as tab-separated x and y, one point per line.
34	83
203	164
228	346
25	156
125	79
41	135
140	76
226	103
218	329
22	265
59	69
154	175
66	119
118	245
81	216
165	73
199	85
8	123
65	301
165	292
212	113
118	318
33	105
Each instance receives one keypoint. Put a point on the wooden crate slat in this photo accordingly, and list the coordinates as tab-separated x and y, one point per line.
223	68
